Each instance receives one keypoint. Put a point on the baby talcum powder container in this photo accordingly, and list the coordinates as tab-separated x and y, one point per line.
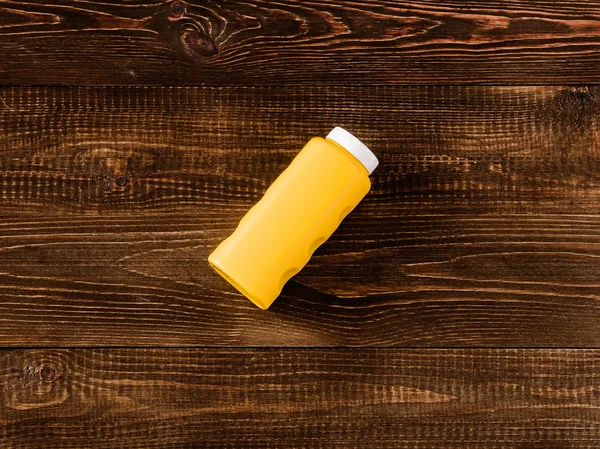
299	211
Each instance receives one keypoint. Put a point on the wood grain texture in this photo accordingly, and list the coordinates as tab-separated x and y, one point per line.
445	149
290	42
481	228
265	398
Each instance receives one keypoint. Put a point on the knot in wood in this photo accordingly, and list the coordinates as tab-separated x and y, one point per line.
122	181
200	44
178	9
47	373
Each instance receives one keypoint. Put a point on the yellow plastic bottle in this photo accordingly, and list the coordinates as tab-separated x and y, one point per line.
300	210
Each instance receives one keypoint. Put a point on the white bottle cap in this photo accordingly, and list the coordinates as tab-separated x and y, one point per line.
355	147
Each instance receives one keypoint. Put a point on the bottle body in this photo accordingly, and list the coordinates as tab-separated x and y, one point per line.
298	212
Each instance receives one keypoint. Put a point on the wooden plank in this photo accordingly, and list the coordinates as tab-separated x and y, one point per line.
481	229
258	398
445	149
66	42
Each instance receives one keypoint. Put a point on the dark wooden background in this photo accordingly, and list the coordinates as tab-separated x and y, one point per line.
457	307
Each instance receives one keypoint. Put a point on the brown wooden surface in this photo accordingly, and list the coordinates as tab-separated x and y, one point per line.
372	398
481	228
469	276
239	42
